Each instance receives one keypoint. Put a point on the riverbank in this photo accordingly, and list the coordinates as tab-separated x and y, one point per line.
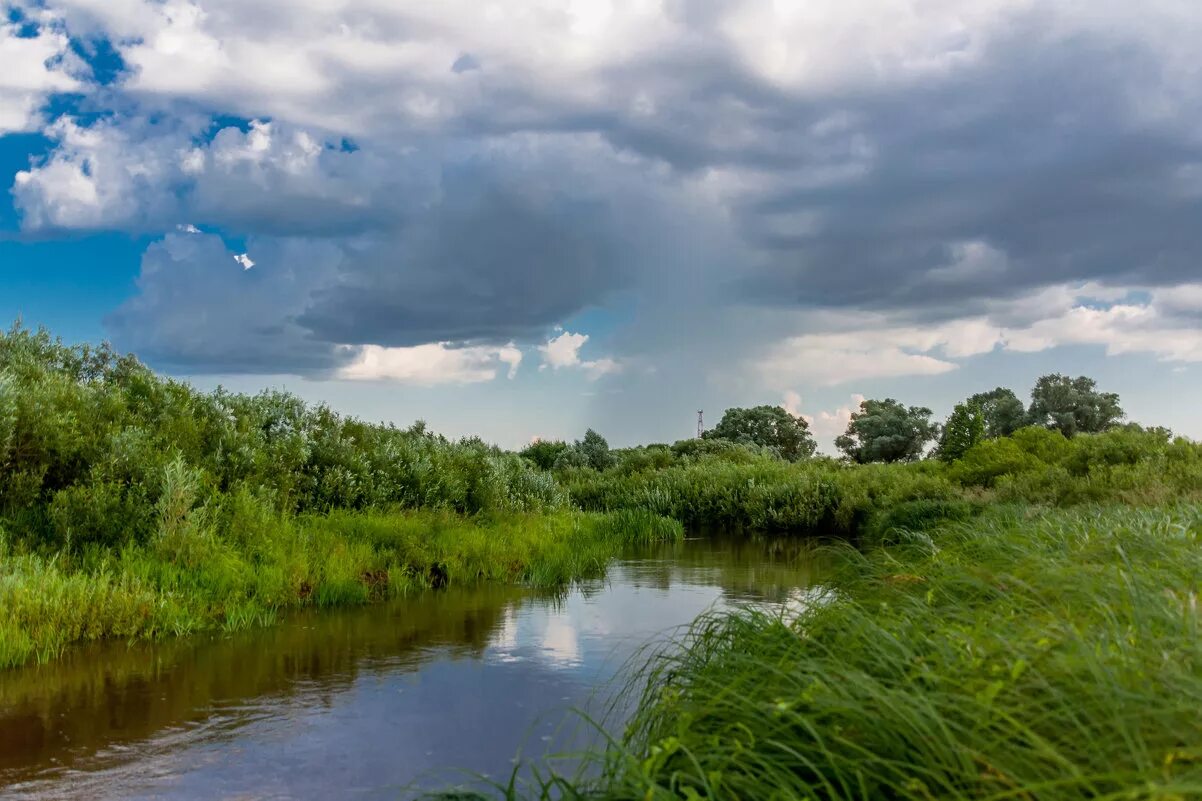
378	701
190	579
1025	654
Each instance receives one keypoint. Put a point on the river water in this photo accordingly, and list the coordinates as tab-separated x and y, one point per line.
446	688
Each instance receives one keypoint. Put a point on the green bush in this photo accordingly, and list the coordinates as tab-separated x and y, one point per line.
86	438
984	463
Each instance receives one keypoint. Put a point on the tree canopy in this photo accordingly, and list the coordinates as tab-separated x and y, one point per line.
1002	411
1073	405
592	451
543	452
964	428
767	426
887	431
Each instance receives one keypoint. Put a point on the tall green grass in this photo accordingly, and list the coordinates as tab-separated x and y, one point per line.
821	497
190	579
1021	655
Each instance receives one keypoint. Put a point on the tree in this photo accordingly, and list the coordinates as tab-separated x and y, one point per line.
1073	405
1002	410
964	428
569	457
887	431
595	450
543	453
767	426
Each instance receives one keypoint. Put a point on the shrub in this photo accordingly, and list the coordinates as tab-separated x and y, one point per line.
984	463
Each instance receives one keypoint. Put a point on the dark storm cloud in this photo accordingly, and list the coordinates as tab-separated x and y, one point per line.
488	263
200	311
1036	154
504	252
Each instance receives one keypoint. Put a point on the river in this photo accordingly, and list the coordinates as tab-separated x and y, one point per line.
370	703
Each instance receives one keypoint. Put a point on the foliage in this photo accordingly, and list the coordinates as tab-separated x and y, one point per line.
987	461
542	453
900	521
92	444
1073	405
769	427
570	458
964	428
592	453
595	450
135	506
887	431
1003	411
1018	656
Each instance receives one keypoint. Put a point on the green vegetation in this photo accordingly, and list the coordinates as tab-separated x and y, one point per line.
132	506
717	484
194	580
964	429
1016	618
772	427
1021	655
1072	405
1003	411
887	431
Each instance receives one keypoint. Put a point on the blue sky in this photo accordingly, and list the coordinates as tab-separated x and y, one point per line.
528	218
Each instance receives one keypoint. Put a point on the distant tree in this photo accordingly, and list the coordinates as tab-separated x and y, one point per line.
543	453
595	450
887	431
964	428
1073	405
1002	410
767	426
569	457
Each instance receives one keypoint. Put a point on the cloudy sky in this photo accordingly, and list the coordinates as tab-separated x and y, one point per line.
526	217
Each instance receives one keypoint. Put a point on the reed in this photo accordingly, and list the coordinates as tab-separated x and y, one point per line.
194	580
1021	655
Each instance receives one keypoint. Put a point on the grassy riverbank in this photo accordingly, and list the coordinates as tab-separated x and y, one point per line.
1026	654
133	506
192	580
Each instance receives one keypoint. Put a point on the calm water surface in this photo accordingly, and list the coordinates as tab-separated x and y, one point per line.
371	702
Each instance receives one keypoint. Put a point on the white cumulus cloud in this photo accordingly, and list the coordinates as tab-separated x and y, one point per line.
1160	322
432	364
563	351
31	69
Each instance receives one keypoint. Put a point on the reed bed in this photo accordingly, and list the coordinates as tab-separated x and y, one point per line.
194	580
1021	655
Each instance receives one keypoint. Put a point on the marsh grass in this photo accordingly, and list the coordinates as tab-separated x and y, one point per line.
192	580
1021	655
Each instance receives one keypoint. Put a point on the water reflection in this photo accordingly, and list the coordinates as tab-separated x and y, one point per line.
360	702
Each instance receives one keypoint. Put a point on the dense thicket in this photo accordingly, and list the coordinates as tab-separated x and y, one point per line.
95	448
707	483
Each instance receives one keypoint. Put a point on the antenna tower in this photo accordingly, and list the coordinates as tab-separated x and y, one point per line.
700	423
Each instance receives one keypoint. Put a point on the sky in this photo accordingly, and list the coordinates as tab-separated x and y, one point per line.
521	219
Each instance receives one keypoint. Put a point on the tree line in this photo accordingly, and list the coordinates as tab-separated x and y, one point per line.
881	430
